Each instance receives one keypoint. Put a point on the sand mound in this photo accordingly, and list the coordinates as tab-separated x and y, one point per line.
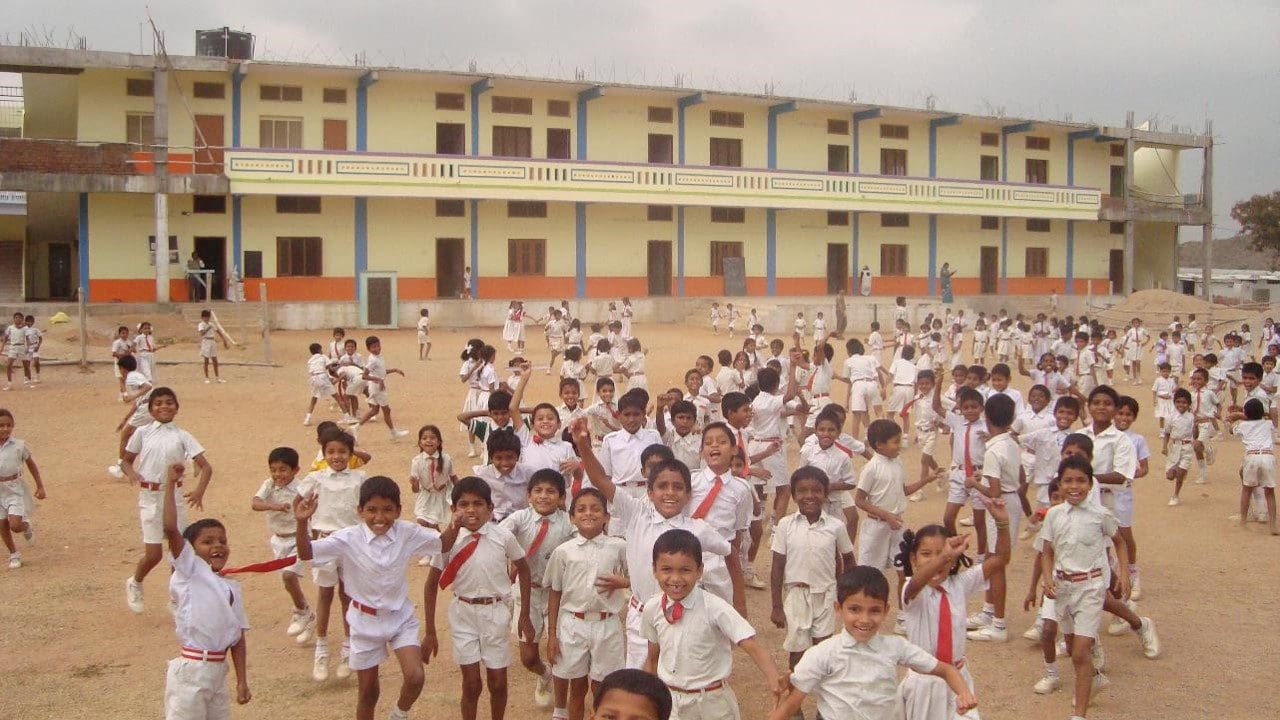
1158	307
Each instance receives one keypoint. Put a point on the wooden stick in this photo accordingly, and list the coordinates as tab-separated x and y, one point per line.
226	337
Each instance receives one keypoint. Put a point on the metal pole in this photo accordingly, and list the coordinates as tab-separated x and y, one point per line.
84	331
266	322
161	159
1206	190
1130	244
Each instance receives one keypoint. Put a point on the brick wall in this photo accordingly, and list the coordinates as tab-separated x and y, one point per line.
53	156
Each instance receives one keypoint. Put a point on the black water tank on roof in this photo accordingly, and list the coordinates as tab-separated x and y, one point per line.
224	43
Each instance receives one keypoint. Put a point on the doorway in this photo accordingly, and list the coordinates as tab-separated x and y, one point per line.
378	300
1115	271
209	141
450	261
59	271
837	268
213	253
660	267
989	270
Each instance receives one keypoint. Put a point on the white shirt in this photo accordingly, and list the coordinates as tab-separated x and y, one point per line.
423	468
337	497
851	680
577	563
279	522
1204	402
510	491
1046	444
1178	427
882	480
1113	451
373	566
525	524
159	446
922	611
686	448
543	453
205	330
903	371
1256	434
861	367
1140	449
837	464
1079	534
811	549
875	342
316	365
1163	387
620	454
13	455
1002	460
144	343
133	382
120	348
730	513
208	610
697	650
766	417
567	416
961	430
641	524
484	574
376	371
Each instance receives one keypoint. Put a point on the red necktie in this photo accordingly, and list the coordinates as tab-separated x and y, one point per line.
261	567
537	539
431	467
577	485
813	373
705	506
968	460
843	449
538	439
746	458
673	613
944	628
906	409
451	570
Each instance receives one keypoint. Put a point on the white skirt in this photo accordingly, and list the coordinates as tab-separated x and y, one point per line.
512	331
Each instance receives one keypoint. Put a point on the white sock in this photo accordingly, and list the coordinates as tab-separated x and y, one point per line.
322	646
988	609
1000	623
1051	669
560	714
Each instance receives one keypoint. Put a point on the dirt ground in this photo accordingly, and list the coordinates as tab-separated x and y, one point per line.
69	648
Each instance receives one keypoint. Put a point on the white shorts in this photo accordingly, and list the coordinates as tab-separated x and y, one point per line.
283	547
928	440
13	352
958	494
422	338
1012	503
1048	610
479	633
1180	454
555	343
776	464
863	395
208	349
637	645
1120	503
837	501
1042	494
379	398
537	611
719	704
13	498
1259	471
589	647
196	690
321	386
815	407
1078	607
325	574
900	396
926	696
809	615
371	635
151	512
878	543
354	388
141	416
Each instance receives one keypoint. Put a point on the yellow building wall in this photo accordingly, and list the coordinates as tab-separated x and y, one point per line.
803	237
104	105
120	223
51	218
335	224
403	115
700	232
803	139
960	243
1054	241
496	229
1093	165
618	127
1155	170
960	150
916	237
917	144
539	121
618	240
1094	243
312	109
1155	259
753	133
1056	155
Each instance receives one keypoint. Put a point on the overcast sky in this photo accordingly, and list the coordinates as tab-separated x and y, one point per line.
1179	62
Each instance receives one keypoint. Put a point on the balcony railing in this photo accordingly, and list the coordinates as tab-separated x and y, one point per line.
302	172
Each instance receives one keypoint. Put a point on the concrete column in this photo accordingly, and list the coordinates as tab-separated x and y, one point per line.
160	98
1206	190
1130	247
1130	244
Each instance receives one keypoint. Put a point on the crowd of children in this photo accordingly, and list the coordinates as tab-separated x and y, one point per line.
618	536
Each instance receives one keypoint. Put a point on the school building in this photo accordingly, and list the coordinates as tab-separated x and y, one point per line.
346	183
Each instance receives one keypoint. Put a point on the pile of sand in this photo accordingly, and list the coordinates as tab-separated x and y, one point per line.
1158	308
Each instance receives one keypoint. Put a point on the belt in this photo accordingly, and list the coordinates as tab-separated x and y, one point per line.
821	395
904	384
480	600
592	615
1246	452
7	478
154	486
364	608
636	603
1078	576
767	439
637	374
287	535
216	656
713	686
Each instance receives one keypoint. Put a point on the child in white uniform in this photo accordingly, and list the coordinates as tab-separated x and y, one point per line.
15	497
320	384
431	477
375	374
275	498
424	334
1258	468
208	333
144	347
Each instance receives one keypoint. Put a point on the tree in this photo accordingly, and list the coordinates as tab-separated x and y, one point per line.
1259	218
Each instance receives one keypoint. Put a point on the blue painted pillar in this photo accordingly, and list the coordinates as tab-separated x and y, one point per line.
585	97
933	254
854	221
580	248
237	236
361	214
1071	259
683	104
1005	132
1004	256
82	237
858	117
934	124
680	251
237	79
771	215
478	88
1070	273
474	212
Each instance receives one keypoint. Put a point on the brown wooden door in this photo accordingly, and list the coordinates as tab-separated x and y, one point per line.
659	267
335	134
1115	270
209	141
59	270
213	254
449	266
837	268
451	139
989	270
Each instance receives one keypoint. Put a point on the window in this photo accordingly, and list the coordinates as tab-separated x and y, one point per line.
512	141
526	209
558	108
837	127
451	101
726	152
1117	228
895	220
837	218
10	132
990	222
725	118
660	151
1037	171
173	249
253	263
209	204
558	143
280	133
1117	150
298	204
719	251
335	134
894	132
451	139
660	213
893	260
1037	262
989	167
526	257
659	114
283	93
337	96
1038	225
1037	142
1117	181
990	139
451	208
512	105
209	90
893	161
139	87
140	128
837	158
298	257
728	215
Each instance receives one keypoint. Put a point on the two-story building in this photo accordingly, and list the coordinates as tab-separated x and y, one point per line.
318	179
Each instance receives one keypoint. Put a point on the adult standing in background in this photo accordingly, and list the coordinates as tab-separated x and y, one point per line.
864	280
945	274
194	285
